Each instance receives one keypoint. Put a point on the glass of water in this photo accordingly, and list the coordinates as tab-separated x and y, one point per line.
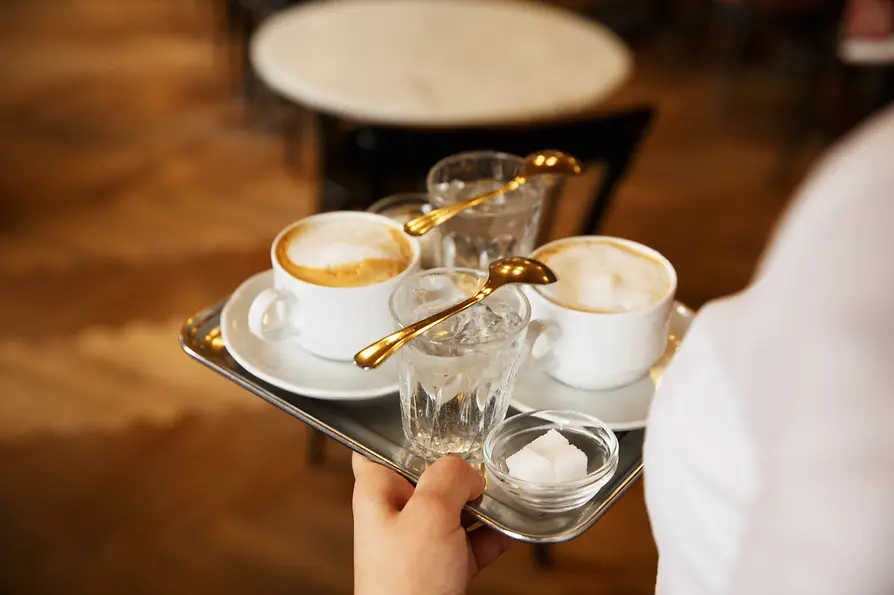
456	379
503	226
409	205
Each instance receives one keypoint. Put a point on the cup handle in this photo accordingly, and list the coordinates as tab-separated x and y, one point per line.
269	317
540	339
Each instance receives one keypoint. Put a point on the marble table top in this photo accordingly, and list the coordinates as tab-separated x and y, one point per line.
439	62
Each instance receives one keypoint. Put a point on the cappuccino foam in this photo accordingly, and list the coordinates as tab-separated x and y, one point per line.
604	276
342	253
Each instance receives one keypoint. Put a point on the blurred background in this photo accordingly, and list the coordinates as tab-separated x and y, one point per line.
145	165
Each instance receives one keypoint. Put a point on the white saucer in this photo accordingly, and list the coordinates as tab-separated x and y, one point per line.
623	408
288	366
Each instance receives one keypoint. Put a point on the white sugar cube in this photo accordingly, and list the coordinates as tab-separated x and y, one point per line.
549	443
527	465
569	463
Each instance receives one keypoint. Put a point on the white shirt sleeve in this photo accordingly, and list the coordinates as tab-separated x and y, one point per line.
770	450
820	386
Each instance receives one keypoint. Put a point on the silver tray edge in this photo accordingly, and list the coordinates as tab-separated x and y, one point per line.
188	341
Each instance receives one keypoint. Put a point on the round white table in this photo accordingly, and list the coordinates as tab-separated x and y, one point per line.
439	62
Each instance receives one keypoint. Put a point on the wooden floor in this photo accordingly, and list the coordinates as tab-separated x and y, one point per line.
135	190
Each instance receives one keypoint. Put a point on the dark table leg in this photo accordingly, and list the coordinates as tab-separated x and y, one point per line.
542	555
316	448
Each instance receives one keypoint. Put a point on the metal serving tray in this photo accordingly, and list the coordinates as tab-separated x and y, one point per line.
373	428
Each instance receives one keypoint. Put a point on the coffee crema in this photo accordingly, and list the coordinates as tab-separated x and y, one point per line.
603	276
343	253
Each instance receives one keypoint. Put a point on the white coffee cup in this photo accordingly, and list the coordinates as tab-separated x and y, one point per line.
602	350
332	322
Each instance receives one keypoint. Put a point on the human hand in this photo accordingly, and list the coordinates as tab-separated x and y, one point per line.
410	541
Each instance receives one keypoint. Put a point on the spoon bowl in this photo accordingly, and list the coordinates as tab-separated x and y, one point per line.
516	269
552	162
539	163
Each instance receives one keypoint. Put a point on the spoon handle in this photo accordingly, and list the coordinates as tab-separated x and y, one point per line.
378	352
425	223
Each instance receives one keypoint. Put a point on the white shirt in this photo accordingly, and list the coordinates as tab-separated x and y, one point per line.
769	454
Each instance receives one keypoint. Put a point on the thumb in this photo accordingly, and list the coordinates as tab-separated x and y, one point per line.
448	485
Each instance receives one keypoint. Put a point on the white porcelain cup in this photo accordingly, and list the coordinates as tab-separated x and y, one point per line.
330	322
595	350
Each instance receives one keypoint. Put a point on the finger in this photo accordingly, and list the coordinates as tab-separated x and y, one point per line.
487	545
377	488
450	483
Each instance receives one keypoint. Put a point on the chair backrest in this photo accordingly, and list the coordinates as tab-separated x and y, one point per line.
611	140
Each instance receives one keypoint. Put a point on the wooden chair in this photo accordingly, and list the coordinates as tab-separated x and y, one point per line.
803	26
808	31
240	20
856	60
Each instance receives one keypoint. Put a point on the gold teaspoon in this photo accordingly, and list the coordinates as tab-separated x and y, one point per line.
542	162
516	269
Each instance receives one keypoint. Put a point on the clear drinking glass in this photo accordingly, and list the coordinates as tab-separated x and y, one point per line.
456	379
406	206
503	226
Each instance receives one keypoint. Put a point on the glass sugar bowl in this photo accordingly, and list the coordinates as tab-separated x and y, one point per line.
562	491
